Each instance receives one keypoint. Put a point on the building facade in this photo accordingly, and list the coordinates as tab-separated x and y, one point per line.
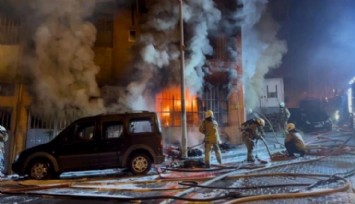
118	28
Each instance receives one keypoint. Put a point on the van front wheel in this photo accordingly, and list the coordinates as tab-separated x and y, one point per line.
140	164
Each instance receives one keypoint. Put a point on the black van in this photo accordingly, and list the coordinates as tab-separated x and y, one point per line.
131	140
310	120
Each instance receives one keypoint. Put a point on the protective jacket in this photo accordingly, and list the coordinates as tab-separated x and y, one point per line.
296	138
252	129
209	127
284	114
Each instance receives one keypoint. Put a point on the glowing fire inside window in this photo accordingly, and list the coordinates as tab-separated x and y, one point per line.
168	106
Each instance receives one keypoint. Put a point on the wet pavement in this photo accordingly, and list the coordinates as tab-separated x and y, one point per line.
325	175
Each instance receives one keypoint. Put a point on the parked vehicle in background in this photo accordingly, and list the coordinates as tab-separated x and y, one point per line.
127	140
310	120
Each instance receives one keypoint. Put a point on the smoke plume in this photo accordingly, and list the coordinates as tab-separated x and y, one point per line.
61	71
262	50
203	19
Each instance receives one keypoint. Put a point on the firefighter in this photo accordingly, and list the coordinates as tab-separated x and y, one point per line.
252	130
3	138
209	127
293	141
284	115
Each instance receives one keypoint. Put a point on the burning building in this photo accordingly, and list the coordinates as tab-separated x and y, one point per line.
73	58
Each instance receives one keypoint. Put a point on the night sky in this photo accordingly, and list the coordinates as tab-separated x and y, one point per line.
320	36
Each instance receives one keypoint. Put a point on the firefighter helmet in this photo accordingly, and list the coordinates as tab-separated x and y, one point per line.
290	126
261	122
282	104
209	114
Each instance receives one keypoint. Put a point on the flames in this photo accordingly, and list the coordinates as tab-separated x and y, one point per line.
168	106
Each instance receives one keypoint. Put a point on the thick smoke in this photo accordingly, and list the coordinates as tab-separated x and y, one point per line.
62	71
158	65
158	62
262	50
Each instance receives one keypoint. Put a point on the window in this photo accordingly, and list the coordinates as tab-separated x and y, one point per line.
270	93
9	30
215	98
168	106
85	131
132	36
7	89
104	25
140	126
113	130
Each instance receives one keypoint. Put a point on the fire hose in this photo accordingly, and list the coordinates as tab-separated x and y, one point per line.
267	148
235	195
270	124
193	146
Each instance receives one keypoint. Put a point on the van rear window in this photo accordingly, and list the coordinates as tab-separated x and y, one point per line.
141	126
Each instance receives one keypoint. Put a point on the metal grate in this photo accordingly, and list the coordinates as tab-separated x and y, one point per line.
168	106
5	117
9	31
42	130
215	98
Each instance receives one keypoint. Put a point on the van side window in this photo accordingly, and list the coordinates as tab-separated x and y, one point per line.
112	129
141	126
66	137
85	131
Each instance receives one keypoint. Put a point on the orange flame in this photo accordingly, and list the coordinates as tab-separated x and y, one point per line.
168	106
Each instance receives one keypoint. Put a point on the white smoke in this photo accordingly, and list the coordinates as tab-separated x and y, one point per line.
261	49
62	70
158	65
201	16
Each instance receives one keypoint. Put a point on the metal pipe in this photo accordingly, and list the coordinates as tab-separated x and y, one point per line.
182	67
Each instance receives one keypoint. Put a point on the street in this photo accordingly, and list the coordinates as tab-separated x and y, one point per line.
324	175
